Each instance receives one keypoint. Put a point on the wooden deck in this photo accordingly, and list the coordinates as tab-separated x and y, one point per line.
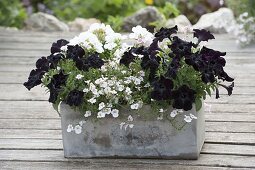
30	135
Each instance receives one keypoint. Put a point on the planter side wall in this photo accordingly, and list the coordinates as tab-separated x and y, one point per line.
147	139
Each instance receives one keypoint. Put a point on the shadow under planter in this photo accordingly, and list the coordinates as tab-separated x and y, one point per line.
147	139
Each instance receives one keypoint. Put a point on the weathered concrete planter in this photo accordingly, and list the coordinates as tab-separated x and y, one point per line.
147	139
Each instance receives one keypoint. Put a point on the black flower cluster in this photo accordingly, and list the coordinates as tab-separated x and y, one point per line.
44	64
208	62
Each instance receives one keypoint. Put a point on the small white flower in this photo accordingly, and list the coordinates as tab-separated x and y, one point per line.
79	76
187	119
101	106
87	113
110	46
103	84
134	106
103	68
69	128
115	113
58	68
92	100
147	85
107	90
160	117
137	81
85	90
106	111
124	72
77	129
120	87
130	118
161	110
173	113
100	114
192	116
128	91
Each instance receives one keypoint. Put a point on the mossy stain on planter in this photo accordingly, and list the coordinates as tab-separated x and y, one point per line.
103	140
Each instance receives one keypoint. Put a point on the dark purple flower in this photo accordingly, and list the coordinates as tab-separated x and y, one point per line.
34	78
130	55
54	59
57	45
183	98
94	61
162	89
228	88
74	52
165	33
180	47
195	60
42	63
54	86
173	68
208	76
202	35
75	98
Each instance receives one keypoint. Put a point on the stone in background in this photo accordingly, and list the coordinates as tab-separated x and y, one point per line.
82	24
45	22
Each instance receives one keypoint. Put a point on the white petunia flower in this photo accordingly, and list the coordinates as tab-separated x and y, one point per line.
101	106
134	106
79	76
192	116
120	87
115	113
110	46
87	113
187	119
130	118
141	35
69	128
77	129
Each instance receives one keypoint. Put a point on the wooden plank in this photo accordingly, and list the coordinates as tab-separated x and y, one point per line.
31	144
74	165
55	124
55	155
48	144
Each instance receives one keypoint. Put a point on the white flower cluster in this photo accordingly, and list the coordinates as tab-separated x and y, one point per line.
141	35
244	30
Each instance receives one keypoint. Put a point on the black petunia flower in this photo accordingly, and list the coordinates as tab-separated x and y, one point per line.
74	52
165	33
228	88
42	63
34	78
55	85
150	62
173	68
183	98
130	55
54	59
162	89
180	47
202	35
195	60
57	45
75	98
94	61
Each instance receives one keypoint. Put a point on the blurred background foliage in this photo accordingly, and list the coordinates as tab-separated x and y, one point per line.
14	12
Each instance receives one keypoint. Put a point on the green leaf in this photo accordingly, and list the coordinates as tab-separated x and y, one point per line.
208	90
55	106
198	103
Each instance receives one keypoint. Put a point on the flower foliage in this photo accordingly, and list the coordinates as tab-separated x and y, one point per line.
98	73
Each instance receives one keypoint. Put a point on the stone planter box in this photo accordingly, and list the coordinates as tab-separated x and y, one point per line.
147	139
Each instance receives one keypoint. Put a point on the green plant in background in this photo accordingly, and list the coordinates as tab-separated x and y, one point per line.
68	10
116	22
12	13
241	6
